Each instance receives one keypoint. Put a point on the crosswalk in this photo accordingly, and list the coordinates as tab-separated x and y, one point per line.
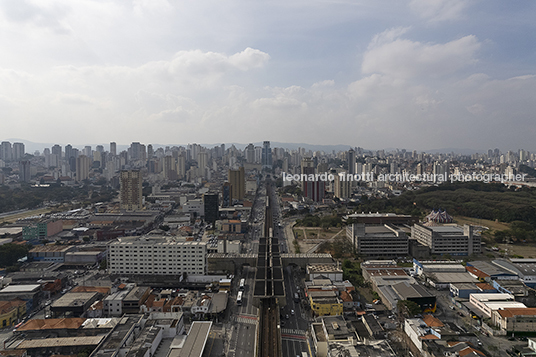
247	319
291	331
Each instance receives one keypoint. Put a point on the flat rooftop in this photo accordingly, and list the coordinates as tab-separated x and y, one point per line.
60	342
50	248
493	297
446	229
74	299
323	268
196	339
20	288
489	268
52	324
454	278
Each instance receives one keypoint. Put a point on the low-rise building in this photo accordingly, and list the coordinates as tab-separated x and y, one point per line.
11	312
31	293
329	330
35	230
391	294
513	320
73	304
483	305
486	271
50	252
135	299
463	290
325	303
330	271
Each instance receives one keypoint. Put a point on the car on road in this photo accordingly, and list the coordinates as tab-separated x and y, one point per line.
287	317
292	312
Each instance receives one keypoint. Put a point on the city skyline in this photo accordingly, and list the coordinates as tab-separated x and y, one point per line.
413	74
31	147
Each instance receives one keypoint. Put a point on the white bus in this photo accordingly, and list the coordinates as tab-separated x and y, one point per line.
242	284
239	298
304	354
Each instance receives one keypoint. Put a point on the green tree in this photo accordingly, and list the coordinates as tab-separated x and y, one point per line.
10	253
408	308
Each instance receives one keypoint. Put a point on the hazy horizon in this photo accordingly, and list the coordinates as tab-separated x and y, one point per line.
416	73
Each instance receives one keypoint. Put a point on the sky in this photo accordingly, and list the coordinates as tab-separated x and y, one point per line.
414	74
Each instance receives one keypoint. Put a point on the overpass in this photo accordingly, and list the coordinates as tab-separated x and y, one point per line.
232	261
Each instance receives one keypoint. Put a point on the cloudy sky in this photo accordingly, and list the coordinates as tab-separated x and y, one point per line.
414	74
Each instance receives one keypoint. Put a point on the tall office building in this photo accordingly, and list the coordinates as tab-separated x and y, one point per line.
226	194
83	164
24	171
131	198
181	165
68	152
52	160
211	204
351	161
6	151
150	152
169	170
99	148
113	148
341	188
266	155
72	159
250	154
135	151
97	158
312	189
87	151
202	162
18	151
237	179
56	150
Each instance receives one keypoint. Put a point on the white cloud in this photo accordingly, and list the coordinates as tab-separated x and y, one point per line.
403	58
439	10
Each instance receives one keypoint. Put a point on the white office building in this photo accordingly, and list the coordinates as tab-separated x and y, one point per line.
447	239
157	256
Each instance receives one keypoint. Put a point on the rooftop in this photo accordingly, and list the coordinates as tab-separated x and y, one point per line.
516	311
50	248
61	342
21	288
323	268
196	339
52	324
74	299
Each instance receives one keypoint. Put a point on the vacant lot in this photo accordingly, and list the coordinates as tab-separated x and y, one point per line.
520	250
14	217
315	233
492	225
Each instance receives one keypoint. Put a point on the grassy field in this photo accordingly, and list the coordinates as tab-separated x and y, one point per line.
492	225
14	217
521	250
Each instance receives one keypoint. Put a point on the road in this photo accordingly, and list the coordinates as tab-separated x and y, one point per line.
245	320
294	329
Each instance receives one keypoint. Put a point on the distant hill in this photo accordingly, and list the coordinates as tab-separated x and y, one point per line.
31	146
